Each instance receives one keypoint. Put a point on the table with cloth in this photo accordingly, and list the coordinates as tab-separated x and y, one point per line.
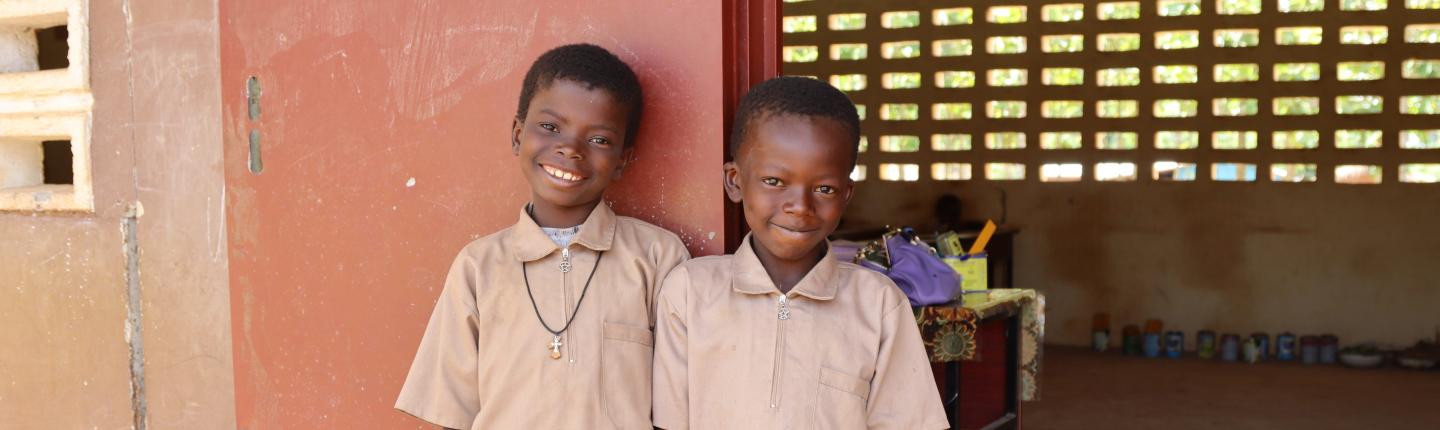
986	354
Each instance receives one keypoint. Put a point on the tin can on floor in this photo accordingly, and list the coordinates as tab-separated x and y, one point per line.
1262	344
1150	344
1252	351
1329	348
1100	322
1309	349
1205	344
1154	325
1174	343
1230	348
1285	346
1130	343
1100	340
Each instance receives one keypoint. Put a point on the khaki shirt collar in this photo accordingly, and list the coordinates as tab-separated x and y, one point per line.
530	243
751	278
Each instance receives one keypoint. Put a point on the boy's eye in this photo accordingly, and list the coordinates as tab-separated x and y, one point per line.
600	141
770	181
825	189
549	127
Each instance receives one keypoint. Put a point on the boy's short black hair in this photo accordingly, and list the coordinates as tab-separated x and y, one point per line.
592	66
791	95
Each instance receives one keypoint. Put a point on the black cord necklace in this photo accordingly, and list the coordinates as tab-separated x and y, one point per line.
555	334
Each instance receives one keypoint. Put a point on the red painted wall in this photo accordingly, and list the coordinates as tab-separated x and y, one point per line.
336	257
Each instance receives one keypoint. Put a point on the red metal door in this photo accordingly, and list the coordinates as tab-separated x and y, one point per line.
381	134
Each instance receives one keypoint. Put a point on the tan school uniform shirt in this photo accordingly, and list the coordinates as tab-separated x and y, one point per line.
840	351
484	361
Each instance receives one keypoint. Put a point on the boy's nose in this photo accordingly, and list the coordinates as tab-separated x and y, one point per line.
798	203
570	148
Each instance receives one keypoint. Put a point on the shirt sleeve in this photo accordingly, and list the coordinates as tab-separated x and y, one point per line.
442	386
671	381
903	393
669	252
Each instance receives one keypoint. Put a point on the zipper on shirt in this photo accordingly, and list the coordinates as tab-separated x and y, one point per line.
782	314
565	287
565	260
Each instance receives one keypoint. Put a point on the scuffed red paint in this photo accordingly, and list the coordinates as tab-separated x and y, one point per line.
335	260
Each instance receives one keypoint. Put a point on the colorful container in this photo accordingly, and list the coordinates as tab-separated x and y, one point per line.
1252	351
1150	344
1154	325
1100	340
1230	348
1130	329
1329	348
1205	344
1131	340
1174	343
1262	344
1285	346
1100	322
1309	349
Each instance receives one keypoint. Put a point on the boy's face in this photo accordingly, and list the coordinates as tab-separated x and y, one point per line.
570	145
793	174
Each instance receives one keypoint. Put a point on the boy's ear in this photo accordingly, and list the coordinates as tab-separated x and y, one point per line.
515	135
849	191
626	156
732	182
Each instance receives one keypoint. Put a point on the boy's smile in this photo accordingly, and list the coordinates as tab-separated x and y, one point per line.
793	175
570	146
562	174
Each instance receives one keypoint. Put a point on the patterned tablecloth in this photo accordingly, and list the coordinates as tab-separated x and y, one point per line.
949	330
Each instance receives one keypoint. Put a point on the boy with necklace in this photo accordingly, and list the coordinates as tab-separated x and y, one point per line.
549	323
780	334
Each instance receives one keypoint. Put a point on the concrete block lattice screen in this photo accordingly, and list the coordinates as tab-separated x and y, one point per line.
1308	91
45	106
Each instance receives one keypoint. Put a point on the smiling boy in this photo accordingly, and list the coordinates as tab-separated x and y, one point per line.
548	324
780	334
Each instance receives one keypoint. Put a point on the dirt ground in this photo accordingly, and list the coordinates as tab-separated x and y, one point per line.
1082	389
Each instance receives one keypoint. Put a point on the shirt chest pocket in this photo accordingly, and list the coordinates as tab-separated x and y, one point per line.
625	363
841	400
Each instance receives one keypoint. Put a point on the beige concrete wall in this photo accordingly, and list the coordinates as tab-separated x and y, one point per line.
65	361
1353	260
175	83
66	286
63	303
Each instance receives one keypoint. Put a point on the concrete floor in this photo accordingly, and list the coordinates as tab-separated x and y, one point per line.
1082	389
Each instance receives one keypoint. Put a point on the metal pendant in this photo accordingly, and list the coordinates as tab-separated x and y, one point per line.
555	347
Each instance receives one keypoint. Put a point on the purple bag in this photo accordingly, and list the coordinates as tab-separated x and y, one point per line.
922	276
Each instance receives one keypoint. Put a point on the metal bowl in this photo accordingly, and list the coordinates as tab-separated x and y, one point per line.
1416	363
1361	361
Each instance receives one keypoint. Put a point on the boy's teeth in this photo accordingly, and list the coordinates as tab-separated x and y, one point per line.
561	174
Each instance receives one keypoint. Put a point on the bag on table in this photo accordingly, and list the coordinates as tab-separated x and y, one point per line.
921	275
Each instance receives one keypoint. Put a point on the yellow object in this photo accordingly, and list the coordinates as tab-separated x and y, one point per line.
974	275
949	244
973	267
984	239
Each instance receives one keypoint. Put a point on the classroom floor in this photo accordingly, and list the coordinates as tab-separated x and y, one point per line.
1082	389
